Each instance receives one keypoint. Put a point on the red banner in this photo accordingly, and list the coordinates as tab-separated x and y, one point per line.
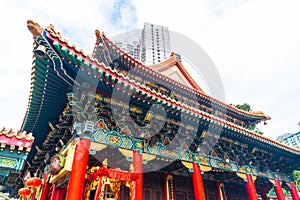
112	173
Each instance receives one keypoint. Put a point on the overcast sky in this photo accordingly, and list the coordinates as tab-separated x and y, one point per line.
255	45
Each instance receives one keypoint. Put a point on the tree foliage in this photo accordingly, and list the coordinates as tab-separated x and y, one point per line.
246	107
296	175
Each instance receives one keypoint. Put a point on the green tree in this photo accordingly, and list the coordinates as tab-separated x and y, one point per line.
296	175
247	107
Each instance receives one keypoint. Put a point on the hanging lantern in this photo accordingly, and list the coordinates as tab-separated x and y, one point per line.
41	51
33	182
23	192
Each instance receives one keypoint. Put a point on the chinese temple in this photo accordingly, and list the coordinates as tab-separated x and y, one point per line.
14	149
108	127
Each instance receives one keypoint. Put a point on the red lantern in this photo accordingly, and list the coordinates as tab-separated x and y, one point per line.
33	182
23	192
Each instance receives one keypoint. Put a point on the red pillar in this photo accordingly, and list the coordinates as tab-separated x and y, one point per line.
251	190
138	168
46	187
278	190
77	175
294	192
197	182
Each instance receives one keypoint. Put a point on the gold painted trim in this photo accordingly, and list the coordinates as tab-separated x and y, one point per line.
148	157
129	153
126	152
241	175
205	168
95	146
188	165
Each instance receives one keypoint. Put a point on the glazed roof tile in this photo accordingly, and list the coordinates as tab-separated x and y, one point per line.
195	90
56	38
16	139
17	134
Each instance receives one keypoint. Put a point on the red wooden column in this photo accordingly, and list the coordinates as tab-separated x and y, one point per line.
46	187
278	190
294	191
138	168
77	175
198	182
251	190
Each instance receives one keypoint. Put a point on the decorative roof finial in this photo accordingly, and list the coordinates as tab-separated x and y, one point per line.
98	34
34	28
52	30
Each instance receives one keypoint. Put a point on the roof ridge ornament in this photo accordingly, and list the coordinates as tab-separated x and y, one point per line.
98	34
34	28
52	30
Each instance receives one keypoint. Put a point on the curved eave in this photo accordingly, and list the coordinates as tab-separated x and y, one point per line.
17	135
173	61
262	141
252	116
47	98
94	68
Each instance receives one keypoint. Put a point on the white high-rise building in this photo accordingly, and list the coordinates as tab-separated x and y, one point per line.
292	139
132	48
155	44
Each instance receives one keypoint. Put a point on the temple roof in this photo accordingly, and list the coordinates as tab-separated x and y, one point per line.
54	72
14	149
174	69
190	89
38	115
16	140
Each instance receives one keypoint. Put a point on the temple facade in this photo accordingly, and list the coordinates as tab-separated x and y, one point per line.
109	127
14	149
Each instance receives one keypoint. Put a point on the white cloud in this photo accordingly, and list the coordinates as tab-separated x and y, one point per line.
124	15
254	44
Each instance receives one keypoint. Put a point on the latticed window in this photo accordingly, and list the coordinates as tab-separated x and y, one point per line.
125	193
191	196
147	195
180	196
157	195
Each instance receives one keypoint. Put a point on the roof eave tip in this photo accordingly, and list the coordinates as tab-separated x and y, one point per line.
34	28
98	34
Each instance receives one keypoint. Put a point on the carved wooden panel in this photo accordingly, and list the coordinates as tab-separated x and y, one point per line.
191	196
182	183
125	193
158	195
147	194
153	184
236	191
180	196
